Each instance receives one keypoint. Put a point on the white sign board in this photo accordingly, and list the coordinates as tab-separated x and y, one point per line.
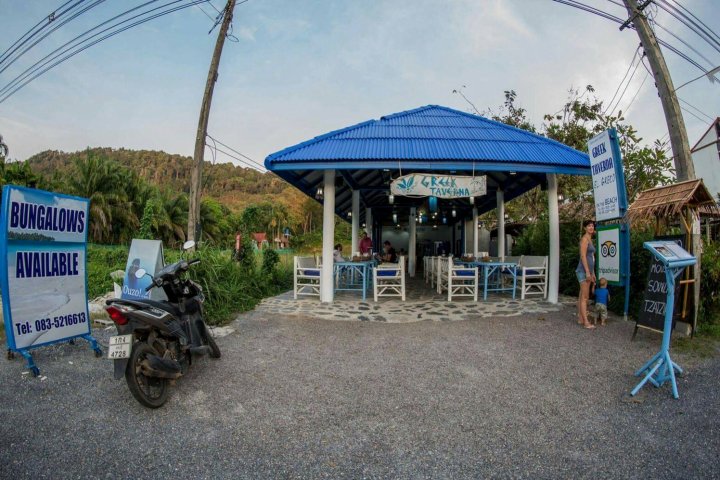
441	186
609	254
607	177
42	267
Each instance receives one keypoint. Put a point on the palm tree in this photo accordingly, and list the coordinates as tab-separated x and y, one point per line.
101	181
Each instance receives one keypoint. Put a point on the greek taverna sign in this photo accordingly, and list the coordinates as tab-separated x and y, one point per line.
441	186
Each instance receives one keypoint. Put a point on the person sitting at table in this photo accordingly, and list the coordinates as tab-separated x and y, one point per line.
389	254
337	254
366	244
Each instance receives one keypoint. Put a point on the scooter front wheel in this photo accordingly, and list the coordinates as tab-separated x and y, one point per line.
149	391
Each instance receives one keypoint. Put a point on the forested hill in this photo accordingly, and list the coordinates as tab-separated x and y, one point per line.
236	187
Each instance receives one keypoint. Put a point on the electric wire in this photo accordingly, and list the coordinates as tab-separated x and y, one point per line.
690	23
617	104
73	17
616	19
696	18
43	24
691	113
696	109
52	55
239	159
627	109
632	62
235	151
109	35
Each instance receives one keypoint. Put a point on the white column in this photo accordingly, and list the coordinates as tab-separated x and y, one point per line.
500	196
475	231
411	246
368	222
328	237
554	253
355	222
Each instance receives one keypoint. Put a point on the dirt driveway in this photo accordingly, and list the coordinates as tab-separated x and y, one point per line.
506	397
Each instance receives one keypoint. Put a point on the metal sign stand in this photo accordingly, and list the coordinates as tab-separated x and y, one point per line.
660	368
25	352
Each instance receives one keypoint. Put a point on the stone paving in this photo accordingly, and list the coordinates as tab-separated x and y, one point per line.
422	303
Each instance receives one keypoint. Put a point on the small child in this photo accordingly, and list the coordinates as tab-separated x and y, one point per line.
602	297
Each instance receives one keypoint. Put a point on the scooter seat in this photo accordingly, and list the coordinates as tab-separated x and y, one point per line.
167	307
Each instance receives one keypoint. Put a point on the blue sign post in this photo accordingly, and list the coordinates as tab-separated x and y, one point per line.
43	256
660	368
611	203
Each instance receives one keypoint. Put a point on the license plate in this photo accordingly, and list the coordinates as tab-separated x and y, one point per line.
119	347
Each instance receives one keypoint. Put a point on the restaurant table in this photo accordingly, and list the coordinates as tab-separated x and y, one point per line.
357	276
490	268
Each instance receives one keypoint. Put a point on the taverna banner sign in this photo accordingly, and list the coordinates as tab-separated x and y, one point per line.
441	186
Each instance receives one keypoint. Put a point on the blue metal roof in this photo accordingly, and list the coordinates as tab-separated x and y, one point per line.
368	155
434	138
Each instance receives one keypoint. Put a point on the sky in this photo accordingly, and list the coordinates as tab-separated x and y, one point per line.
301	68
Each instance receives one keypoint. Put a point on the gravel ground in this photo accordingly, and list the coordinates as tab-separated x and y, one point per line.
514	397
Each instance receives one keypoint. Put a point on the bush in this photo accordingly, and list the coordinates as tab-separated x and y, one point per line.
230	287
535	240
269	261
709	313
103	260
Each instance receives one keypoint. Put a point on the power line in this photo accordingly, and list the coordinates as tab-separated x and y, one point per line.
691	113
46	20
74	16
617	104
109	35
52	55
632	62
627	109
696	109
696	18
238	153
690	23
239	159
608	16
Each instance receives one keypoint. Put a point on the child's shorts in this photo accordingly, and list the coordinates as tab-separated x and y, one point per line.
601	310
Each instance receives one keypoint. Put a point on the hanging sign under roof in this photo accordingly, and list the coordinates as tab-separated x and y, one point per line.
441	186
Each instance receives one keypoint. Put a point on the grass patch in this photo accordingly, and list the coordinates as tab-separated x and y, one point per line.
229	286
705	343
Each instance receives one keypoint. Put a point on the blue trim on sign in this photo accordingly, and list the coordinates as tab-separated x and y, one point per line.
4	277
9	332
619	172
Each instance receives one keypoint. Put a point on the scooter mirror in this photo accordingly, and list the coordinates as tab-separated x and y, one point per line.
140	273
189	245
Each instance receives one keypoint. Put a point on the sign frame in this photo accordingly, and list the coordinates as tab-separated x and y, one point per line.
414	185
35	244
621	253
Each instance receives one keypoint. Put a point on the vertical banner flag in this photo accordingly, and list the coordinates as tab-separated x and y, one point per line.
43	246
607	176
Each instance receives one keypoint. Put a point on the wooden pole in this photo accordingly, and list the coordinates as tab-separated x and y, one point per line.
199	154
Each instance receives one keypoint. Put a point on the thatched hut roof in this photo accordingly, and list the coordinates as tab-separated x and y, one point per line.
670	201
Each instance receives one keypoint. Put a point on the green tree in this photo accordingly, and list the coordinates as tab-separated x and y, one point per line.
102	181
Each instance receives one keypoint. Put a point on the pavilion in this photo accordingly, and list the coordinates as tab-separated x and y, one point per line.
356	164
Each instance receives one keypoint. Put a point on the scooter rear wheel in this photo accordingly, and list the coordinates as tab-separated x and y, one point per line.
149	391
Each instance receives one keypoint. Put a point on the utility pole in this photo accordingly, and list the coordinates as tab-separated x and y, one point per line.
199	155
684	168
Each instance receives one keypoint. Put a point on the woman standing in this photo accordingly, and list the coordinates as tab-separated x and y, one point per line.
585	272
